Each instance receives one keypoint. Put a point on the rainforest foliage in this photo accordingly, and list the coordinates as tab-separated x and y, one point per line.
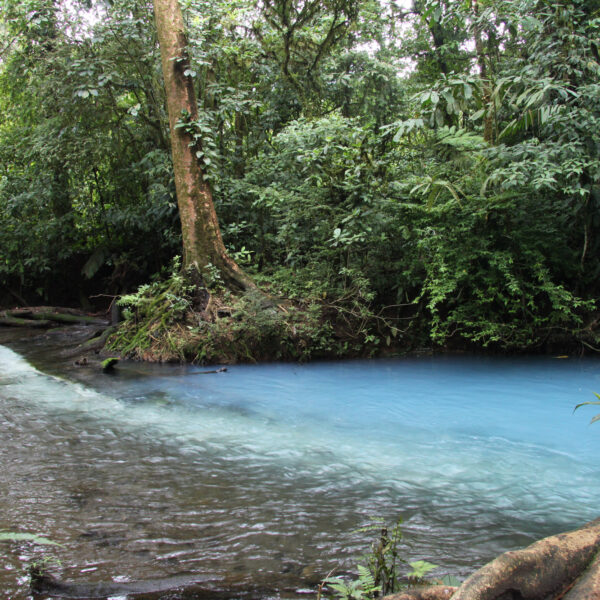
394	174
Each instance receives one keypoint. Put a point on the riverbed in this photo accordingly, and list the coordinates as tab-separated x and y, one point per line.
258	478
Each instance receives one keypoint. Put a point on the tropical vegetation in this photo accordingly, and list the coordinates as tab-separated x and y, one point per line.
387	175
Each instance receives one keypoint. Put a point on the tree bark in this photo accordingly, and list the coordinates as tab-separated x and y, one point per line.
587	586
488	120
543	570
46	316
202	242
430	592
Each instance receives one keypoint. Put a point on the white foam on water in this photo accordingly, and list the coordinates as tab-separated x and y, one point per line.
498	435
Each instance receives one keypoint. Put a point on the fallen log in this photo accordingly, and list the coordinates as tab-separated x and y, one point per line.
69	319
542	571
65	316
12	321
44	317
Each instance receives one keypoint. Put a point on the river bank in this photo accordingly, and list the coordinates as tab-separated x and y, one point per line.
251	329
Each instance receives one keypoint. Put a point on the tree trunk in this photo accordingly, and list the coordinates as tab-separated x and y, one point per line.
202	242
488	122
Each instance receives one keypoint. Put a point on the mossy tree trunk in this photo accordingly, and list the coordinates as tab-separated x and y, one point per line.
202	242
484	71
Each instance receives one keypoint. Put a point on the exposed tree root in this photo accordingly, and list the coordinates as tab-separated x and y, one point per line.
96	341
542	571
431	592
587	587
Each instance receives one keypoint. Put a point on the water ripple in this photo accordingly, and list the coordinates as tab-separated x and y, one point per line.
262	476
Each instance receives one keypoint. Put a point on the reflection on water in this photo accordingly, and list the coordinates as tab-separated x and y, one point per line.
259	477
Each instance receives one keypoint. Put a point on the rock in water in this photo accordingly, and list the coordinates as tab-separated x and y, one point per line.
108	365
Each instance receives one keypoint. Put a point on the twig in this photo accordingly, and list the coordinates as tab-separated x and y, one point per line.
322	584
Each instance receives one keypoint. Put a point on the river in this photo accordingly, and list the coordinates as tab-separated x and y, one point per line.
258	478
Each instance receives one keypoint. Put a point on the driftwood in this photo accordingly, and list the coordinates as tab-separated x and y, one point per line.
219	370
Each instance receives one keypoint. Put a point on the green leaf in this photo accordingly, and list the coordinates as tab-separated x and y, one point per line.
596	418
94	262
478	115
10	536
451	580
587	404
421	568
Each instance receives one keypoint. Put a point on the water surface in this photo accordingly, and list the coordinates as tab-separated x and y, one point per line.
259	477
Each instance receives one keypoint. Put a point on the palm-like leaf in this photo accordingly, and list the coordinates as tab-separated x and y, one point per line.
591	403
11	536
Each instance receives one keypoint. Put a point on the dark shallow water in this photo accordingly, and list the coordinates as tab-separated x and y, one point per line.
257	479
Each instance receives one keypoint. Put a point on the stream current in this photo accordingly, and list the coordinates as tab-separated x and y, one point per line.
258	478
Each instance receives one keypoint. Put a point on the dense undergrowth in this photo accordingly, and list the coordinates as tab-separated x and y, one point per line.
389	188
179	318
176	318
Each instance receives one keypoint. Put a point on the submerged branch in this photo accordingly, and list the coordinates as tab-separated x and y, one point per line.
184	586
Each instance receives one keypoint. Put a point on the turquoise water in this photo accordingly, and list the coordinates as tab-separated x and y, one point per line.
261	475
